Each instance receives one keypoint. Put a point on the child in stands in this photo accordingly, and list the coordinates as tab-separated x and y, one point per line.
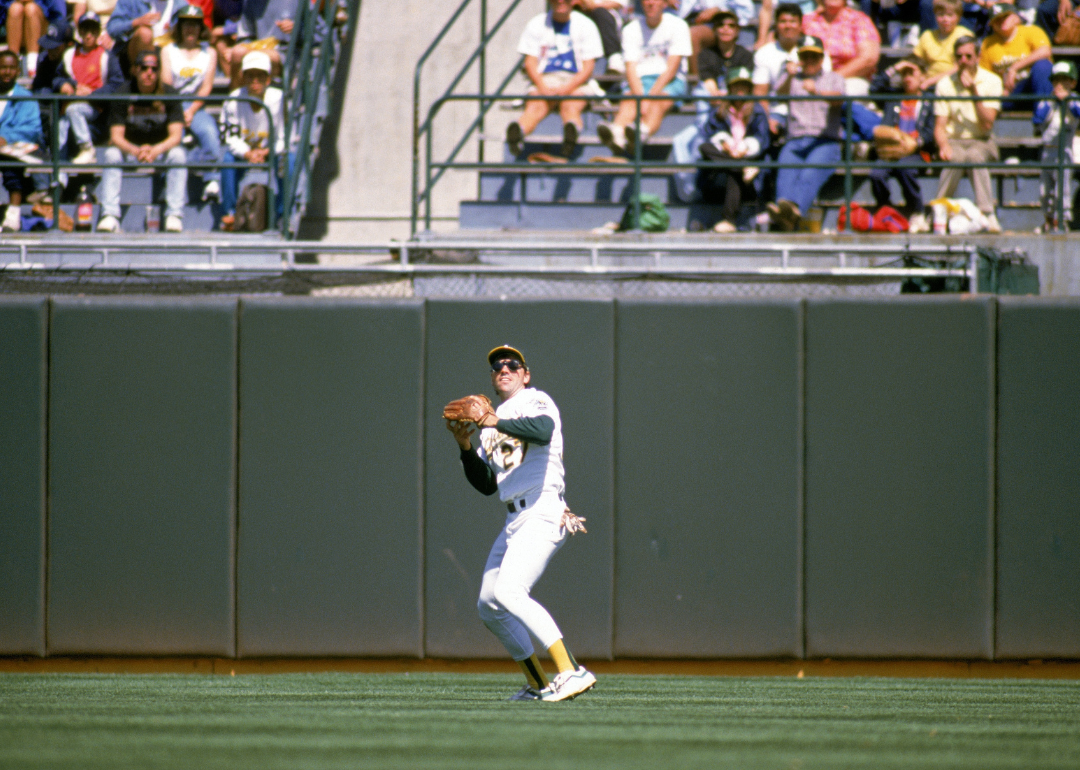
1057	120
935	46
87	69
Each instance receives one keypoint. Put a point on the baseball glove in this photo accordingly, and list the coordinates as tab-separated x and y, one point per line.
892	143
468	409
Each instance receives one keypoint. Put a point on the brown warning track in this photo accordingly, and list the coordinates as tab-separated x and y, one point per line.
1030	669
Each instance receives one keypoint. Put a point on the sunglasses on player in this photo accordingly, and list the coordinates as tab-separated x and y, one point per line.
510	363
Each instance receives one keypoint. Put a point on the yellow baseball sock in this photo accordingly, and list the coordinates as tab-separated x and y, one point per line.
562	657
534	672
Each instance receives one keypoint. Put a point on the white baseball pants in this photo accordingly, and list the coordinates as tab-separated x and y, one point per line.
517	560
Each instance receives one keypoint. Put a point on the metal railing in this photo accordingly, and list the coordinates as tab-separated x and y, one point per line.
637	165
56	164
423	131
308	78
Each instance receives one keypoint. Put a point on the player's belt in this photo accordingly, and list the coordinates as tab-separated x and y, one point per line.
523	502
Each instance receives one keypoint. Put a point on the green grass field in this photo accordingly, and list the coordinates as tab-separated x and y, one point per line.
338	720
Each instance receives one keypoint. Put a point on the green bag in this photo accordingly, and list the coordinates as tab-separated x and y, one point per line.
654	217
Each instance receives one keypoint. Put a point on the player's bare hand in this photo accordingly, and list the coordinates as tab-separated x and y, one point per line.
462	431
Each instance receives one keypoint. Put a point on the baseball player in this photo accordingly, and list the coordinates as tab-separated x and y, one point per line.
520	457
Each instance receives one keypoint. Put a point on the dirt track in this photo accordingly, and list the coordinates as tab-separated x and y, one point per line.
226	666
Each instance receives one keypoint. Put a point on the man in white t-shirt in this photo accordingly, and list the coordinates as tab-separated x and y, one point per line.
771	61
655	48
560	49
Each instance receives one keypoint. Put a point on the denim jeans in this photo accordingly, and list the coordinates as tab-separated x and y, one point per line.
175	182
235	179
205	130
801	185
77	118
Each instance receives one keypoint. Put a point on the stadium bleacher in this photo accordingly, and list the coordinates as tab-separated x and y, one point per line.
141	189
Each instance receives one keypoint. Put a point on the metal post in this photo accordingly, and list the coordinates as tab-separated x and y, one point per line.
635	190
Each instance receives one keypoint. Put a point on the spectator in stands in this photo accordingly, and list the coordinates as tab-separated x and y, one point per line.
737	130
963	130
223	35
703	17
915	12
608	16
145	131
1051	14
20	134
851	40
935	46
245	127
714	62
771	60
138	25
54	42
1019	54
656	47
913	116
103	9
765	18
560	48
1057	119
264	25
87	69
814	133
189	64
26	20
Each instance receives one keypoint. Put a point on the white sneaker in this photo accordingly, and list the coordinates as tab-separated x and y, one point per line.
616	64
568	684
723	226
86	156
212	191
12	219
527	693
918	224
108	224
992	224
174	224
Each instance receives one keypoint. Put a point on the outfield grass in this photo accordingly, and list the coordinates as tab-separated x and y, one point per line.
336	720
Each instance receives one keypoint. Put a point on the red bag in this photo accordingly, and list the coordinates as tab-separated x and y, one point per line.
889	220
861	221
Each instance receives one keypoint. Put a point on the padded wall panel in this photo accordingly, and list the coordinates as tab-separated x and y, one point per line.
707	478
898	477
330	520
569	350
23	337
141	476
1038	595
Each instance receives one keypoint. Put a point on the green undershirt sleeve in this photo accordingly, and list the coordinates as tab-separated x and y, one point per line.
535	430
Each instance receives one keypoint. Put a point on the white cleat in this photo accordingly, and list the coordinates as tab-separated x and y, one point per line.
569	684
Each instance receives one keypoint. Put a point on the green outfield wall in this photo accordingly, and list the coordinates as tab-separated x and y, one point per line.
265	477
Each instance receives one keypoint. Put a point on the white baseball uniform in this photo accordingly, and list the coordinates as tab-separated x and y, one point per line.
529	475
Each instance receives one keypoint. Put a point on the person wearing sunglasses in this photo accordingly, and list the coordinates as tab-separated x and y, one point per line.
145	131
520	456
963	130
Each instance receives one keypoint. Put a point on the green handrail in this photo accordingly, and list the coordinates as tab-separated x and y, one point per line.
847	162
424	130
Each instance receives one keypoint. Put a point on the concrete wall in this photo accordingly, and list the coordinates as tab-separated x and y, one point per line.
271	477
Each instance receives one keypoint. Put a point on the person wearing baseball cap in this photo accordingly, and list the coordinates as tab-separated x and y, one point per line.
189	63
1017	53
518	453
814	134
738	129
1052	118
145	131
245	125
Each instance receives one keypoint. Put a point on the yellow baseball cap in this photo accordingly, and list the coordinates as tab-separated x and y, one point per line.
505	351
